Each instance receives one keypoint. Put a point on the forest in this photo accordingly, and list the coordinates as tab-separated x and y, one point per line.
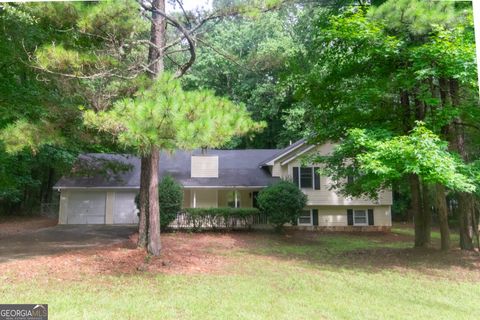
393	82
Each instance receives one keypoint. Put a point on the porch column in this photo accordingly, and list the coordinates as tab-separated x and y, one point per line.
236	198
194	198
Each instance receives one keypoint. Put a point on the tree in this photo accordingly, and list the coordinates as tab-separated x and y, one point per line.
108	58
243	58
282	202
372	76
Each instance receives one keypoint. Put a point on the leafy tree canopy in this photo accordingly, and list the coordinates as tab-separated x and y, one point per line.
375	158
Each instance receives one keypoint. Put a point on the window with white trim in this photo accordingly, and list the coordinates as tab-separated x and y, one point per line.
305	218
360	218
306	177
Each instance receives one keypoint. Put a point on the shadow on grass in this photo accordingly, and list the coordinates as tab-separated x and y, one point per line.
376	252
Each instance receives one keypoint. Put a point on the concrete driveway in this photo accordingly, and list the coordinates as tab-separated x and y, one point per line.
59	239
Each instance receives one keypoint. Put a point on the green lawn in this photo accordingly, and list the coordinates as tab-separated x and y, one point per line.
277	277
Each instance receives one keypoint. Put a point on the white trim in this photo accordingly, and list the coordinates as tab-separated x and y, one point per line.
194	199
271	162
297	155
95	188
366	217
311	219
138	188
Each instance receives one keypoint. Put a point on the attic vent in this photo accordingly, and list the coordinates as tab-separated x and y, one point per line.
204	167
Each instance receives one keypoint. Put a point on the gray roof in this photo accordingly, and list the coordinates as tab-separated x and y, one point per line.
237	168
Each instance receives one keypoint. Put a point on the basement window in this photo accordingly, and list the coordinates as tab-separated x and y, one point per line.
360	218
305	218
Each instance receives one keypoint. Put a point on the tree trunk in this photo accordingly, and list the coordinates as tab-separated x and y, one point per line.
157	39
155	68
416	204
465	200
427	214
465	215
154	245
441	204
475	218
143	201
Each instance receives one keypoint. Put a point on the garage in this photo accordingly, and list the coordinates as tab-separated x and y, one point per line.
86	207
125	210
98	207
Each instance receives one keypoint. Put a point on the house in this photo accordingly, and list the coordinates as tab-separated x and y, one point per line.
217	178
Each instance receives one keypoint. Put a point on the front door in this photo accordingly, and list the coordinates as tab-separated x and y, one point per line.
254	197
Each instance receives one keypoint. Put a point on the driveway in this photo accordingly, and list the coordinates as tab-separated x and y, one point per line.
60	239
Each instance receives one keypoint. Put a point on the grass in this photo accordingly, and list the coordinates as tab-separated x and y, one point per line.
435	235
273	277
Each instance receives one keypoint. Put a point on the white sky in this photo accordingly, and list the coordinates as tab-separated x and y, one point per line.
192	5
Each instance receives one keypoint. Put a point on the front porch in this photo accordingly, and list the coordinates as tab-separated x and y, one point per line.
220	197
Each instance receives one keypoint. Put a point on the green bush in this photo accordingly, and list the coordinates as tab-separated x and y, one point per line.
282	202
170	197
220	218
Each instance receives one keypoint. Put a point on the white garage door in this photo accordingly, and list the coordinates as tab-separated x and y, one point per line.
86	208
125	209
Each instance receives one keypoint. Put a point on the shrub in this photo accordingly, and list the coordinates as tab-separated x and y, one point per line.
282	202
216	218
170	197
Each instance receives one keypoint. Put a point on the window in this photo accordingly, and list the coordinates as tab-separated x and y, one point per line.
306	178
305	218
233	199
360	218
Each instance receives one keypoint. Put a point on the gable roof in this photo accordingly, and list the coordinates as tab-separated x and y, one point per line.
269	161
237	168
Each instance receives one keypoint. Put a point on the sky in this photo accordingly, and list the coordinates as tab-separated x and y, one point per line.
192	4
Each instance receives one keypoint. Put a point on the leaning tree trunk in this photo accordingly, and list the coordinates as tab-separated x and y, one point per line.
143	204
441	204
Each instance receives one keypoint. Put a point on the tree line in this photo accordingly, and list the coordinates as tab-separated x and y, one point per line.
393	82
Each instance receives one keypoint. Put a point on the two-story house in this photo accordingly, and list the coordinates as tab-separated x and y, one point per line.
219	178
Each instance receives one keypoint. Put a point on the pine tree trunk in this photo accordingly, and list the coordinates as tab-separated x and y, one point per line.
441	204
154	245
156	67
143	219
